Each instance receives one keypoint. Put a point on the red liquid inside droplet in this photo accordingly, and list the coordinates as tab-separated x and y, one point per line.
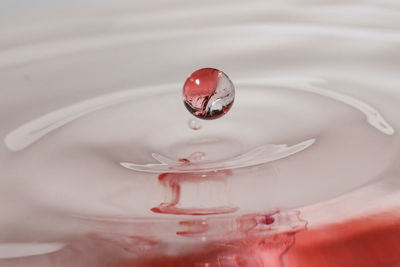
208	93
201	83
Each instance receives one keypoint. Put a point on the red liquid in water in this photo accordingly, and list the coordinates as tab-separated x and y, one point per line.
173	182
370	241
365	242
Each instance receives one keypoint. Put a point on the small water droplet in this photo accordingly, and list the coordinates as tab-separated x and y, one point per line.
194	124
208	93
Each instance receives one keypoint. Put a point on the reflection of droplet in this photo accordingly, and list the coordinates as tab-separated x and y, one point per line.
208	93
194	124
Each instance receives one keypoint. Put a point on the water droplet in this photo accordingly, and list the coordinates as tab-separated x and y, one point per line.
208	93
194	124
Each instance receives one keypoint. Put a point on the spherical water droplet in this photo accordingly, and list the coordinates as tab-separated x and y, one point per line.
194	124
208	93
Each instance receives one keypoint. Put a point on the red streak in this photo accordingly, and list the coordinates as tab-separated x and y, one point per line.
173	181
